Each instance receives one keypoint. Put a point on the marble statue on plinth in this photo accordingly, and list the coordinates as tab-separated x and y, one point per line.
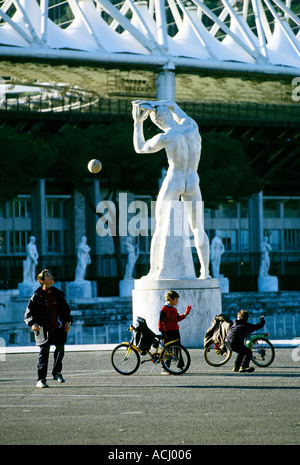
132	256
83	259
266	282
216	251
182	142
29	265
81	288
178	217
29	284
127	283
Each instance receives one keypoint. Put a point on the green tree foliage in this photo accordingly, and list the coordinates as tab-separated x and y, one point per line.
123	169
23	159
224	170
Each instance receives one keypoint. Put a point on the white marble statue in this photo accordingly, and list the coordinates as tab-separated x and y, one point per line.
182	142
83	259
216	251
31	261
265	258
133	253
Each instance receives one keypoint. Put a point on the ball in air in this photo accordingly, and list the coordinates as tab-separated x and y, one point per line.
94	166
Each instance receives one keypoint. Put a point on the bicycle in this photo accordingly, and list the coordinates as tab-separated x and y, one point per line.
263	352
174	357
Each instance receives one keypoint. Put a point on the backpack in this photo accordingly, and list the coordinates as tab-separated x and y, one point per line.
217	332
144	337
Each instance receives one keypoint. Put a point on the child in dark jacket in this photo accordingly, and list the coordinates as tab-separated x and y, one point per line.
235	340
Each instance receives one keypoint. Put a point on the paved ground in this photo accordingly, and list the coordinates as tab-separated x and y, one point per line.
96	405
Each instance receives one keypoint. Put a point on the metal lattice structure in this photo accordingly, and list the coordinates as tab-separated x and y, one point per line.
261	36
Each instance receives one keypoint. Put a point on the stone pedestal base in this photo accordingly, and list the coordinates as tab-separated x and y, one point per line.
125	287
80	290
204	295
224	284
268	284
27	289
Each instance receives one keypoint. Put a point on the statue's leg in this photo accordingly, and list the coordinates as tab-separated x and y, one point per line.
203	254
168	192
194	207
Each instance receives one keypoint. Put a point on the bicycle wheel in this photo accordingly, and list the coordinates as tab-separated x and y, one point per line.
215	356
263	352
176	359
125	359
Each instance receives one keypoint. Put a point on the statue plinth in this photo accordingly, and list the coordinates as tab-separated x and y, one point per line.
80	289
126	287
176	272
223	283
268	284
204	295
27	288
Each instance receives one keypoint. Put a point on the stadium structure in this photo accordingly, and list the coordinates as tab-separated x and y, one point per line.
232	65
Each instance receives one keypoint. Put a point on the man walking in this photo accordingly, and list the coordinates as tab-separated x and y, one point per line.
48	315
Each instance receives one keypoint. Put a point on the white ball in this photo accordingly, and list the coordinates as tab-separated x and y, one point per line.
94	166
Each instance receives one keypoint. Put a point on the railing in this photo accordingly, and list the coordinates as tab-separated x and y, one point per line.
202	111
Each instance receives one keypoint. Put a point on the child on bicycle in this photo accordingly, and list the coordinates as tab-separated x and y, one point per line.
169	319
235	340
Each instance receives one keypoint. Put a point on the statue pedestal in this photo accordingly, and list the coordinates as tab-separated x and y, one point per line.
204	295
268	284
126	287
224	284
27	289
80	290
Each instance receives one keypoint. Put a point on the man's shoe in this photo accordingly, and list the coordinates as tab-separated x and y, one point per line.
42	384
235	368
246	370
59	377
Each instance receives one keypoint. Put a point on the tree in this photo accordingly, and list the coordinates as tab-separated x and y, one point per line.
24	158
123	169
225	170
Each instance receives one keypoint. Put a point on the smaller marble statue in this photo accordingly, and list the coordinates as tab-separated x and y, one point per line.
216	251
83	259
265	258
133	253
31	261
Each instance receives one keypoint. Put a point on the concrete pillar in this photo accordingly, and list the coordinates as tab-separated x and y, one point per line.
39	216
165	83
255	214
79	218
94	240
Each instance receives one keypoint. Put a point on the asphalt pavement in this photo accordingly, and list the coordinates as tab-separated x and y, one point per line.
98	406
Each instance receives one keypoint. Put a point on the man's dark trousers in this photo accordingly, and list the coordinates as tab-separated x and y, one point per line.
57	338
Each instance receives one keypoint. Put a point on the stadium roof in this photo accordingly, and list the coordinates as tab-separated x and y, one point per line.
259	36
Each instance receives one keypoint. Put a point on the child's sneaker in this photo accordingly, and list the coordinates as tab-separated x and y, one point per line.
246	370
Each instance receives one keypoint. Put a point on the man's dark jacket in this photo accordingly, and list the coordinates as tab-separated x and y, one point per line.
36	313
239	330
